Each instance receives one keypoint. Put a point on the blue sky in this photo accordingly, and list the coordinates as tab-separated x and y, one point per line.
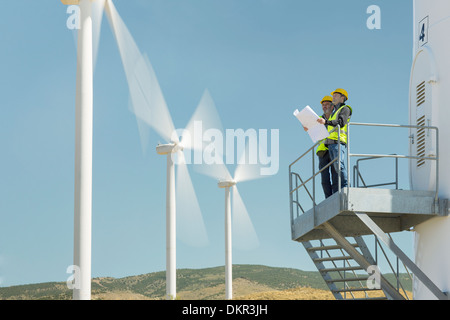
259	59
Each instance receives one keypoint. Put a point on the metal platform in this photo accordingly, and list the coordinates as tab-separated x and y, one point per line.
391	210
369	209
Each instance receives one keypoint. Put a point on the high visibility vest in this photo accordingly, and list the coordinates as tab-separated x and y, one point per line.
334	135
322	148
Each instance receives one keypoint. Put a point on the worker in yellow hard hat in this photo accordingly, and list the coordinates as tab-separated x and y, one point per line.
341	116
324	155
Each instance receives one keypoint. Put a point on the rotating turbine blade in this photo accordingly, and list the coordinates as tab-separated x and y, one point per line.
143	129
244	234
218	170
190	225
204	118
248	167
206	123
97	18
147	100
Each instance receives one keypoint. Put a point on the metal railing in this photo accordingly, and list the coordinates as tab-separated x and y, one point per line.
303	183
295	178
396	272
375	156
357	176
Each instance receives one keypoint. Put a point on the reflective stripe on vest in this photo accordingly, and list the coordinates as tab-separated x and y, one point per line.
334	135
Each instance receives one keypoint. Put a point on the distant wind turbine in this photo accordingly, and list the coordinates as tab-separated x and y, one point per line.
236	214
150	108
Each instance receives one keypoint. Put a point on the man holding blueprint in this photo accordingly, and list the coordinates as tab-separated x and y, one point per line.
340	116
310	123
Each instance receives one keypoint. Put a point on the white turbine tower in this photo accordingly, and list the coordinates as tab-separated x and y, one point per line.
150	108
429	87
238	224
90	19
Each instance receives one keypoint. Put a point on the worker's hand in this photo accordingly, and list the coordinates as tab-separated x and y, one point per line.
304	128
321	120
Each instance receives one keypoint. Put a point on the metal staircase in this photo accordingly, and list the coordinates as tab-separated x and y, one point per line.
332	231
345	278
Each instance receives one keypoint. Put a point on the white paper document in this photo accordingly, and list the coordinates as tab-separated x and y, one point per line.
308	119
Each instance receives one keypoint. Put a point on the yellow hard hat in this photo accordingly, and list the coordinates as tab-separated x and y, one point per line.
341	91
326	98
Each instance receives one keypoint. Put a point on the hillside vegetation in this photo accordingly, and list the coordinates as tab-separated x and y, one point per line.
253	282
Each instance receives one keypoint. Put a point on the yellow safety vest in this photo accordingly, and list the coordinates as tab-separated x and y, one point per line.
334	135
322	148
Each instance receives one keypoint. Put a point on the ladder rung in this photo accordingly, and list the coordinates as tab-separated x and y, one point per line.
341	269
332	259
348	279
334	247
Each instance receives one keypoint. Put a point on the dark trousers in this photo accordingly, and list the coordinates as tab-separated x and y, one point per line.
329	186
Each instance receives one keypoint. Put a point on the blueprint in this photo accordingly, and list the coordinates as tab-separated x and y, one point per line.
308	119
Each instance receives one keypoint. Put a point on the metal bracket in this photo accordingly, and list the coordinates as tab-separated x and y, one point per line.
443	207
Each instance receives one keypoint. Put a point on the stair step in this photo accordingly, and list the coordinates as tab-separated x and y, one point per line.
341	269
348	279
370	298
355	290
332	259
332	247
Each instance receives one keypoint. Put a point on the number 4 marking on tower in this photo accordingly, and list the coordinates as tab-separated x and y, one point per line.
423	31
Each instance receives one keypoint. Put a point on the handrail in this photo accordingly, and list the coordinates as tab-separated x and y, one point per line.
395	273
309	179
312	148
358	175
436	158
349	155
291	190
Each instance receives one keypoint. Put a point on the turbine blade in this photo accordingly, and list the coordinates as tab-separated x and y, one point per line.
144	131
147	100
211	162
244	234
190	225
248	167
204	118
97	18
217	170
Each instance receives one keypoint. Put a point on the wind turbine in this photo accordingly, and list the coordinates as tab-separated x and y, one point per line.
90	15
240	221
183	192
146	98
150	108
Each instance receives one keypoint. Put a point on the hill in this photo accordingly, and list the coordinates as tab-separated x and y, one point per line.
249	282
